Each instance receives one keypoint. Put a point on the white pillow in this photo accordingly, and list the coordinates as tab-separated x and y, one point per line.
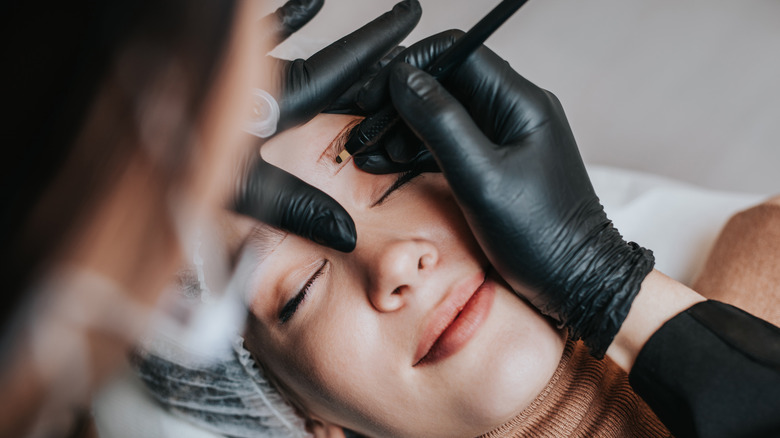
678	221
123	409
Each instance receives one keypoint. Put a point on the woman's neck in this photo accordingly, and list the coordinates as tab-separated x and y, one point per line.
585	397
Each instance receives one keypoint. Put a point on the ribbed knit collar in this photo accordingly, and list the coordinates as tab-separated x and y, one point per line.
585	397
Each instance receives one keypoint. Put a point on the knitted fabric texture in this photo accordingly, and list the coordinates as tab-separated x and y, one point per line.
230	396
585	397
743	268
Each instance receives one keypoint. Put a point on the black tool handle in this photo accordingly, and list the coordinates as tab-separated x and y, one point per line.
378	124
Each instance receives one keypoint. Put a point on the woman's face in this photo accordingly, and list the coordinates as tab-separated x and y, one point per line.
412	333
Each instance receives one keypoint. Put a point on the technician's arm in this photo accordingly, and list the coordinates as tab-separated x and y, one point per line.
707	369
507	150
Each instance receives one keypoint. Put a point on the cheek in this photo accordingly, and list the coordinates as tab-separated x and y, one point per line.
525	342
337	357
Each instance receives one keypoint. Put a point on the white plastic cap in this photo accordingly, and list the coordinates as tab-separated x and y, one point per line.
265	114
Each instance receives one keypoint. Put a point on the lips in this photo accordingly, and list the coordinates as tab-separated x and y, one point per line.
456	320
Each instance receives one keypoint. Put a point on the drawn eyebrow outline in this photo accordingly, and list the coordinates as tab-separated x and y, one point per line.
328	156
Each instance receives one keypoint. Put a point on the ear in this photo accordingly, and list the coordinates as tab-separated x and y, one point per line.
323	429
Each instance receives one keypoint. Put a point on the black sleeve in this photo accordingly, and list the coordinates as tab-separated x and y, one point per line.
713	371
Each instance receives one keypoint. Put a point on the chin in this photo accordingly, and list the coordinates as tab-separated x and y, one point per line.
520	356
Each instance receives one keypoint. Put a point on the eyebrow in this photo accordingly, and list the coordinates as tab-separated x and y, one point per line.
263	239
328	156
402	179
257	246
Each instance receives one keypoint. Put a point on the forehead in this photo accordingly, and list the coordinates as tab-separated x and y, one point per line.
298	150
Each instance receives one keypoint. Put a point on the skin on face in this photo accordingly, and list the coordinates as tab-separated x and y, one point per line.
349	353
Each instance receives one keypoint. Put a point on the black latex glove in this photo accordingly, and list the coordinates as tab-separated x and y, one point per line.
325	80
308	87
399	149
508	152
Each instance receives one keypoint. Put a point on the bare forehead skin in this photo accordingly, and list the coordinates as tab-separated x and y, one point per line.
299	150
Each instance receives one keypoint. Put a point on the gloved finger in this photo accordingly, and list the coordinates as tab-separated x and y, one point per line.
391	153
287	19
400	149
401	144
374	94
397	151
444	125
347	102
278	198
495	94
378	164
312	84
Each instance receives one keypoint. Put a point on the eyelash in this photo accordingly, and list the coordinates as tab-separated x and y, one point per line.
402	179
289	309
291	306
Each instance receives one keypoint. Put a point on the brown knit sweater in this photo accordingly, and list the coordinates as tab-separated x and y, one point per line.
584	398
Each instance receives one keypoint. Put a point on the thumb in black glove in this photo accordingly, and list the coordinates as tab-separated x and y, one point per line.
508	152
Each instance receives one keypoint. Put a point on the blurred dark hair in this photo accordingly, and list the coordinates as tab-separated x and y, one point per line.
72	67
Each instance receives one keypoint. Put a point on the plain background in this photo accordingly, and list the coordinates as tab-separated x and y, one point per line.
688	89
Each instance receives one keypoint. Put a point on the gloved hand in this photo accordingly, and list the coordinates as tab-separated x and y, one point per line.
306	88
508	152
399	149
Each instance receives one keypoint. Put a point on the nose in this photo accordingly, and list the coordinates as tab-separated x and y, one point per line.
399	267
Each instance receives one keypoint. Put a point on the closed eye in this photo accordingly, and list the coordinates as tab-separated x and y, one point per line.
402	179
291	306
